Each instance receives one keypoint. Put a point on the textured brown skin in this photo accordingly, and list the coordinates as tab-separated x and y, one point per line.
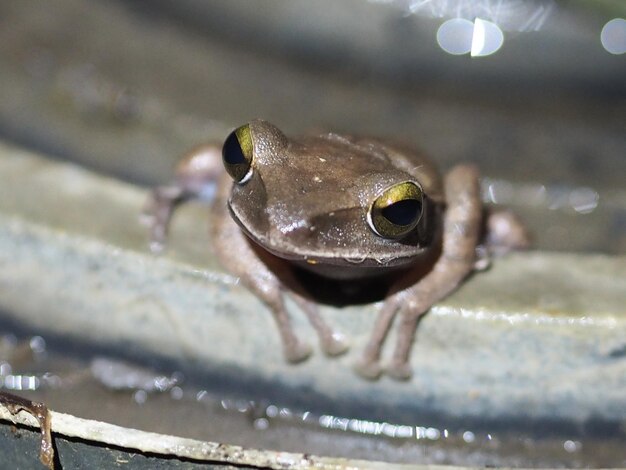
297	184
461	228
305	205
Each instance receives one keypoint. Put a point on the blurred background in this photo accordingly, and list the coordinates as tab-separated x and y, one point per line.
534	92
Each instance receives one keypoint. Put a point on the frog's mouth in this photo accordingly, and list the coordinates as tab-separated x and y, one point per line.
354	260
344	267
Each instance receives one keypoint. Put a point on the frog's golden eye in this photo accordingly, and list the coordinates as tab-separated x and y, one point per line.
396	211
237	154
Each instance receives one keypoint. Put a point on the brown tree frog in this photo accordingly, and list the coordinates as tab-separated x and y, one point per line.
344	208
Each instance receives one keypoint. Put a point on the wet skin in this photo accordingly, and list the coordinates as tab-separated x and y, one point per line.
345	208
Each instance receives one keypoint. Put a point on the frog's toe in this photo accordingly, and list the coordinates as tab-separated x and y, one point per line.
297	352
399	371
335	345
156	246
369	370
483	259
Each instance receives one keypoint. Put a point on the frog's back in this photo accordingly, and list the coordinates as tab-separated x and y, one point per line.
414	163
383	154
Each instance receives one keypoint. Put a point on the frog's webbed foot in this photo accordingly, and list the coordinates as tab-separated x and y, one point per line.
505	232
195	177
368	366
158	211
483	258
297	351
332	342
368	369
460	237
266	287
271	279
400	371
335	345
409	306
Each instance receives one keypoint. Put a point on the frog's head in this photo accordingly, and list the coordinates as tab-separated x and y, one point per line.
326	200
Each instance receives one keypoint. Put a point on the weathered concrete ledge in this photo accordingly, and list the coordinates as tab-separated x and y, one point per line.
539	336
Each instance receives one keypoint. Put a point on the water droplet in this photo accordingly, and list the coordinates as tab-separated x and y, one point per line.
176	393
37	344
571	446
469	436
271	411
584	200
5	368
140	397
261	424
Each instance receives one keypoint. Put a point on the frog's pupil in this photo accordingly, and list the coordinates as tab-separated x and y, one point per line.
402	212
231	152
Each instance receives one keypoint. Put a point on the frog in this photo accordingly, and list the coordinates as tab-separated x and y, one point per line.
346	208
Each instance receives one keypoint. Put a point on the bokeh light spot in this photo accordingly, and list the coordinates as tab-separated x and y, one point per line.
487	38
460	36
455	36
613	36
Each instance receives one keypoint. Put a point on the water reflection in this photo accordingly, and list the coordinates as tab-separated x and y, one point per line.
140	397
266	415
120	375
581	199
572	446
32	350
19	382
261	424
37	344
509	15
244	421
477	27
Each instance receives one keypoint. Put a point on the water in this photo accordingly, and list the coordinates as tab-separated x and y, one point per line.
163	401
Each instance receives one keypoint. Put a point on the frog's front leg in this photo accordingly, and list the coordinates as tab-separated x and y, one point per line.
270	279
462	223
